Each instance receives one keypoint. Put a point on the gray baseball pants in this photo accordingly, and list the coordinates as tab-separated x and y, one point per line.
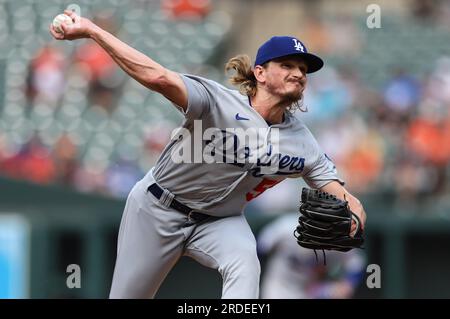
153	236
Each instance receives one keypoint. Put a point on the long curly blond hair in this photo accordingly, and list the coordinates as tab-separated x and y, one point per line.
243	76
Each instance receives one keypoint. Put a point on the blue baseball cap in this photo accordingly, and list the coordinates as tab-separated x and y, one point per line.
280	46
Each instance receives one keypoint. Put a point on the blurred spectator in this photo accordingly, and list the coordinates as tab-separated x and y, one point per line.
90	177
412	178
156	139
45	82
121	177
100	66
65	154
346	38
316	34
425	10
428	141
186	9
33	163
437	88
103	78
3	147
444	14
327	97
402	94
293	272
363	163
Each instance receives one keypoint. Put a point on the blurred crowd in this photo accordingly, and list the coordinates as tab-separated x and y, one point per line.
293	272
390	138
393	139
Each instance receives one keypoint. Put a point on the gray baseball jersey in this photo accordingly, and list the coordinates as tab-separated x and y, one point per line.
210	168
223	189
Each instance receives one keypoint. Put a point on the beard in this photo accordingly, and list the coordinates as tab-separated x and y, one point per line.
290	97
293	97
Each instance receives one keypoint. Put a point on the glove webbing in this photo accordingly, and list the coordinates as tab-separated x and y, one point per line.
324	257
315	253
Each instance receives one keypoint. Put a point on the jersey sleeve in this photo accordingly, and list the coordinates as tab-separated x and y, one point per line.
322	172
200	96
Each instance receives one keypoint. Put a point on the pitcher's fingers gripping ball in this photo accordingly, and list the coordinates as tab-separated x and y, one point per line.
59	19
326	223
73	27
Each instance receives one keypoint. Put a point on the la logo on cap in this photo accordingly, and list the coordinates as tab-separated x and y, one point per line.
298	46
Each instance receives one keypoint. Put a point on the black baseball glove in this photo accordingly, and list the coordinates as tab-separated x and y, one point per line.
325	223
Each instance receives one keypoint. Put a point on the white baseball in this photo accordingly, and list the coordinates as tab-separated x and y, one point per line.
60	18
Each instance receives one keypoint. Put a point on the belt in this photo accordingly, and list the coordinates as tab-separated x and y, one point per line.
157	191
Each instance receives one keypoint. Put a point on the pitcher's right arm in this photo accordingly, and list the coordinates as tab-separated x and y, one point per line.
136	64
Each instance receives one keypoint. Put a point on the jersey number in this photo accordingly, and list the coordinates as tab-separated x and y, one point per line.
261	188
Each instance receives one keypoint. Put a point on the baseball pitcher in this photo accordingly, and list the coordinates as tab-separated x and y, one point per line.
233	145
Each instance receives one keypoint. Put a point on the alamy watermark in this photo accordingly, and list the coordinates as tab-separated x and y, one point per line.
374	19
259	146
374	278
74	279
74	8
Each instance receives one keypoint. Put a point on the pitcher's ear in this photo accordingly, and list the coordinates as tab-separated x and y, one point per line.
259	73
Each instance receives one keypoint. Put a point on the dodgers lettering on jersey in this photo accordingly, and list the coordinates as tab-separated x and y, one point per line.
225	154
